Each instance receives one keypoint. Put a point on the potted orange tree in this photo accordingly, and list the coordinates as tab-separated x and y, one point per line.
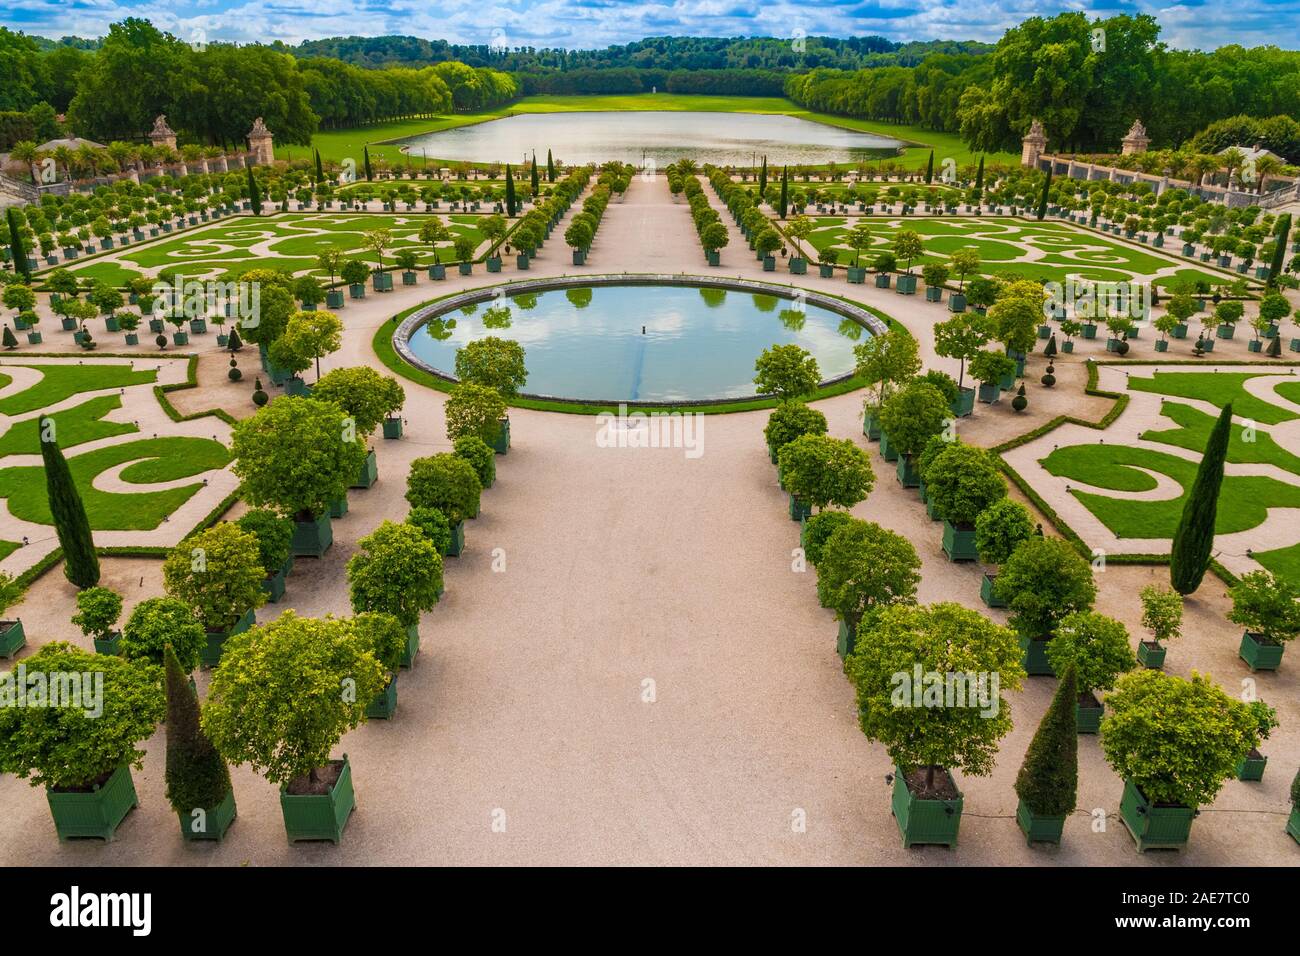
1266	606
1097	647
98	609
862	568
218	572
285	694
1162	615
1044	580
448	484
999	530
927	743
83	755
963	482
396	571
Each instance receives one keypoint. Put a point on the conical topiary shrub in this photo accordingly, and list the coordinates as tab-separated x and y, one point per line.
80	564
198	781
1189	555
1048	781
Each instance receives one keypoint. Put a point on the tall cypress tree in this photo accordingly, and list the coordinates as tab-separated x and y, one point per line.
197	778
1042	200
254	193
320	173
365	156
979	180
1189	557
1280	236
785	190
929	169
1048	781
511	204
550	167
533	179
80	564
16	248
762	178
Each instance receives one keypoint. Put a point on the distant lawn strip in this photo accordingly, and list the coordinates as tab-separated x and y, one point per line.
382	344
1194	432
1243	501
155	460
74	426
1218	388
8	547
61	381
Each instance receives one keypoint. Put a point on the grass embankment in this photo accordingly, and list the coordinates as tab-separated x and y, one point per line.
337	145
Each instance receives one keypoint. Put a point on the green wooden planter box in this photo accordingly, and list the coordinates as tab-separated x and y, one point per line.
1088	719
1258	655
180	338
933	293
798	266
959	543
1251	767
856	275
956	302
210	655
412	645
1154	827
521	261
1151	655
502	444
887	451
906	285
987	594
1089	330
211	823
964	403
1253	345
826	270
334	299
924	821
356	291
1225	331
465	268
97	813
311	539
320	816
847	638
198	326
384	706
769	263
1038	829
882	280
382	282
393	427
457	544
871	426
906	471
296	386
932	509
579	257
275	584
799	510
713	257
1033	657
409	277
110	645
111	324
989	392
437	272
12	638
339	507
369	471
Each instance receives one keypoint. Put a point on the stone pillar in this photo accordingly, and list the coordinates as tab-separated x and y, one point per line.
1033	145
260	143
162	134
1136	141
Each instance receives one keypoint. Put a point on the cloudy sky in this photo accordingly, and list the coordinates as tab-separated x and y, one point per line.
596	23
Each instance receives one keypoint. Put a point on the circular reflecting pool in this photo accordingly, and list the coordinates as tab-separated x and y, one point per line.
647	343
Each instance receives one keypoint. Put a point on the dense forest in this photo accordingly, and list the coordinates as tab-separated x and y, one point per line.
666	54
112	90
1087	97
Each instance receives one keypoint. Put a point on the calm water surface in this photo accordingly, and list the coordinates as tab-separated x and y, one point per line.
697	343
665	137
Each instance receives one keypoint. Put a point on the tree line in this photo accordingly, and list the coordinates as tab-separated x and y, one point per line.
212	92
1087	80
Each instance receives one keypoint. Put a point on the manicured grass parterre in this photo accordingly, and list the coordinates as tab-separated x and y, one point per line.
152	460
59	382
1051	251
74	426
289	242
1218	388
1194	431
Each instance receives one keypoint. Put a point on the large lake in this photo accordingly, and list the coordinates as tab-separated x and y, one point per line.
719	138
646	343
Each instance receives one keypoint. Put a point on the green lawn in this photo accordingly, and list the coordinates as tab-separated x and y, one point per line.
1284	562
1194	432
74	426
1218	389
337	145
154	460
61	381
1243	501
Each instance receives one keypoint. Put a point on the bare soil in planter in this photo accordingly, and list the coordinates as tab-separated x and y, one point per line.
325	779
944	788
1254	754
1150	645
89	786
1088	700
